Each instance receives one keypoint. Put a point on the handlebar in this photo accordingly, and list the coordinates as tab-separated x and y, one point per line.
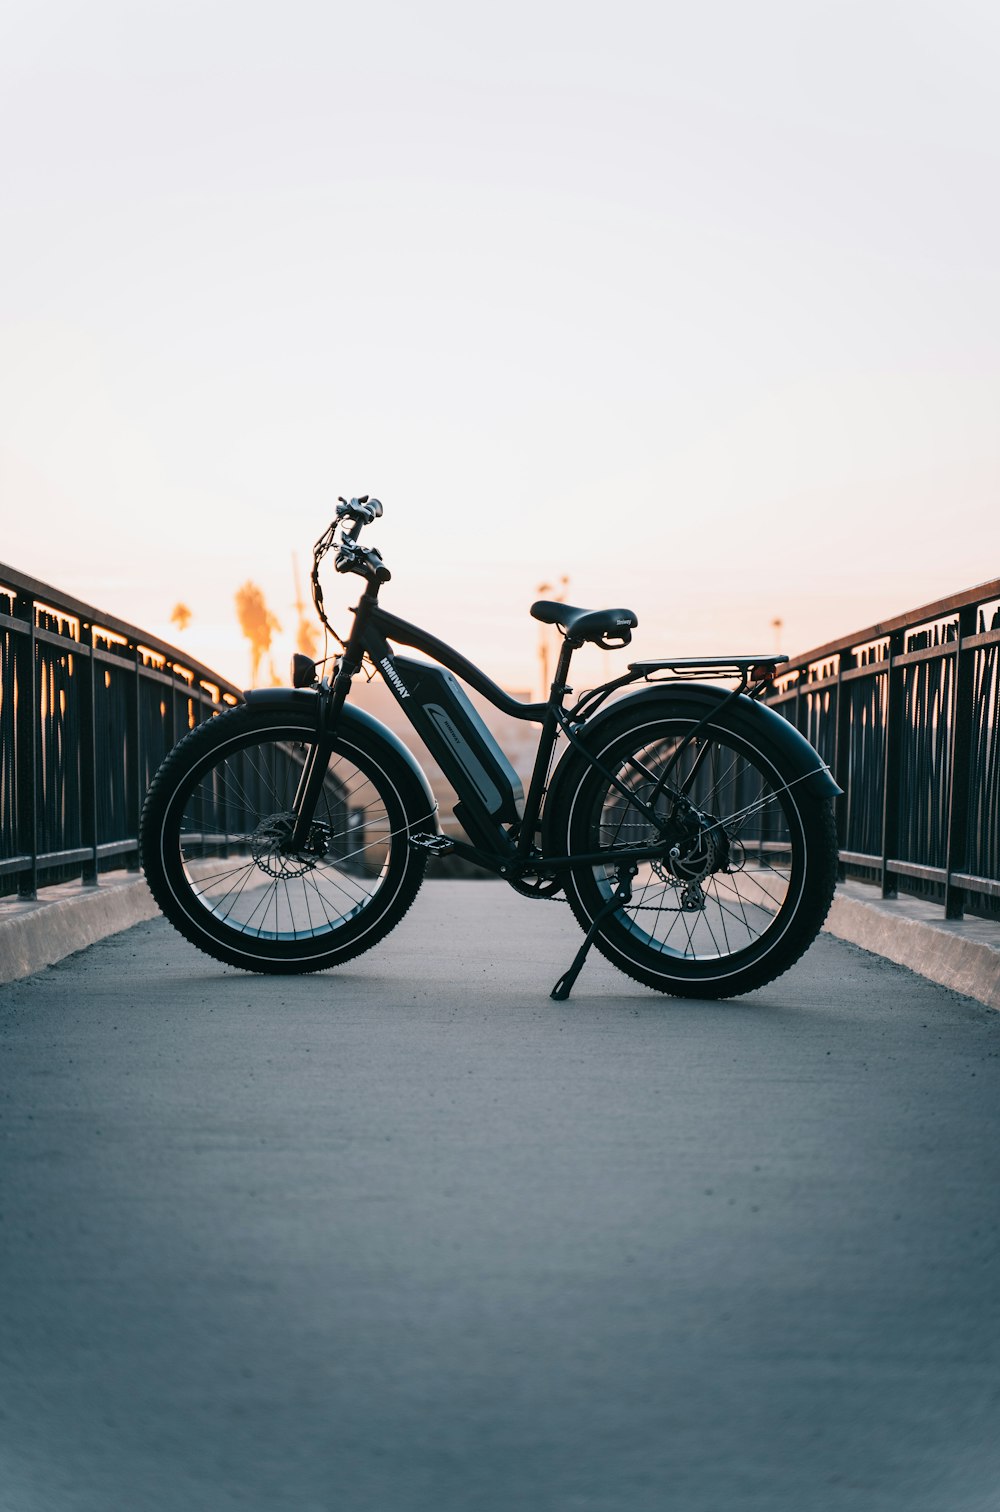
351	515
367	563
342	534
362	511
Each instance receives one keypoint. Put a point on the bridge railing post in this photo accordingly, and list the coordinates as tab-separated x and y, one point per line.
26	744
842	751
892	770
133	756
961	760
88	755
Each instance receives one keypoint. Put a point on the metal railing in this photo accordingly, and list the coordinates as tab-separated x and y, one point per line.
89	706
907	714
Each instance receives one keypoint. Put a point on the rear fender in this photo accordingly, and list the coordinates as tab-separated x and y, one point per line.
699	701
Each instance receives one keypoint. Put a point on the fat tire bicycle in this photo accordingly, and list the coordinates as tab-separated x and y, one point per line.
689	826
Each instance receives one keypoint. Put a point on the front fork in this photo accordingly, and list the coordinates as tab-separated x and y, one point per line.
308	792
331	701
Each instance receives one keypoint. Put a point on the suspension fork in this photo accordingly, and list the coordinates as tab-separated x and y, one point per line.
331	701
309	789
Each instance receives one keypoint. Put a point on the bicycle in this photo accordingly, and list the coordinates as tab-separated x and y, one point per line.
689	826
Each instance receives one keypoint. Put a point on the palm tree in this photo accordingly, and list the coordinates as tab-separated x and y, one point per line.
257	623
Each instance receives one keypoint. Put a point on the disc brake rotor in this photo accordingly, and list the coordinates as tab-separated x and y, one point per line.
269	841
691	860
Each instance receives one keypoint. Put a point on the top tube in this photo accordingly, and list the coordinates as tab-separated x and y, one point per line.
396	629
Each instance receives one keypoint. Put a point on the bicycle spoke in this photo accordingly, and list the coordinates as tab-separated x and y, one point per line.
705	911
245	803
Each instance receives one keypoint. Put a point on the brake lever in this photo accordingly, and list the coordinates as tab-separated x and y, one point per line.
367	564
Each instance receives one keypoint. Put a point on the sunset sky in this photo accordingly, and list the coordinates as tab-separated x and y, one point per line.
699	305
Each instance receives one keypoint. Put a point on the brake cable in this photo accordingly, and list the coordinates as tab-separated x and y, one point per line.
320	550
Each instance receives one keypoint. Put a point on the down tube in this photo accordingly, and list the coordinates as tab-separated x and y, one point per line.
491	797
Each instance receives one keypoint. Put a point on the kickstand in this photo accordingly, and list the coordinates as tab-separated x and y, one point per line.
621	895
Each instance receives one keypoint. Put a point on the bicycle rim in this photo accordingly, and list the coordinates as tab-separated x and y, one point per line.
232	825
723	899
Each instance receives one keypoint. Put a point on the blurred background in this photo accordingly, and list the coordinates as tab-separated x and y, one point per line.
689	309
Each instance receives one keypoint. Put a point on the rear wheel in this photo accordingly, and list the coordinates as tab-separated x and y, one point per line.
739	894
216	831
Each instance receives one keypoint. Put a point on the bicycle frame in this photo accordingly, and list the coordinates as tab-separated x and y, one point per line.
643	810
492	806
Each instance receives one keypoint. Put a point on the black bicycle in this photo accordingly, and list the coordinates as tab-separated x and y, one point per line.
689	826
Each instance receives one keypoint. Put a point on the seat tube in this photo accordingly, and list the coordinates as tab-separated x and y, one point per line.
543	756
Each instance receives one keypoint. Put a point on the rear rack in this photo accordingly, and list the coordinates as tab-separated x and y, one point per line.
754	673
695	666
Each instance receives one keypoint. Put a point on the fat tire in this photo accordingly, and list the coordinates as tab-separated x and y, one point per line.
814	867
171	884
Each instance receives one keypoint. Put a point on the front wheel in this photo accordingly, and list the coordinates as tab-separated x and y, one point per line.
733	901
216	831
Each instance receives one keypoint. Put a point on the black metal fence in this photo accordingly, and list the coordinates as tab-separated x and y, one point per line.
907	714
89	706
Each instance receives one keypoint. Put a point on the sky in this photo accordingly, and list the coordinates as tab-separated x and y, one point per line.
698	306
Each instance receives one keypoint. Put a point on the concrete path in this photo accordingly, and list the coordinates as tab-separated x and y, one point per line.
411	1236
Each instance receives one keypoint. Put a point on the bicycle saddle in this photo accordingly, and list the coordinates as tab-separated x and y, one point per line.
606	627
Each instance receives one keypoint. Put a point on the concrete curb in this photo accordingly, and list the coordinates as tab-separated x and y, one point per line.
961	954
67	918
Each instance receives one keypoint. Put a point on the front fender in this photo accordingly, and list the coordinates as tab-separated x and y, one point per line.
356	723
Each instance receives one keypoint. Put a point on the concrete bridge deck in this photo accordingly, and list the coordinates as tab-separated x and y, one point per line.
412	1236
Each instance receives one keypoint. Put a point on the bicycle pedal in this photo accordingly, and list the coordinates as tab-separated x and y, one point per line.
437	845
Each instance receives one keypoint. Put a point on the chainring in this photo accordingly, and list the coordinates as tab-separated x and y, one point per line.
536	885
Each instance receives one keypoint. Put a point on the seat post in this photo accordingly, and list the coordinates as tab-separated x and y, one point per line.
569	645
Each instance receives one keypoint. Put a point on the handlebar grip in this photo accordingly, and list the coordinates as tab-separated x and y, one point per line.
362	510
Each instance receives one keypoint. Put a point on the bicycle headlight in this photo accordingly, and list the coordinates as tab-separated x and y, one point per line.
303	671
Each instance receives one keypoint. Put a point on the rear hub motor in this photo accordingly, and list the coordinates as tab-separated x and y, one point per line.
692	859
